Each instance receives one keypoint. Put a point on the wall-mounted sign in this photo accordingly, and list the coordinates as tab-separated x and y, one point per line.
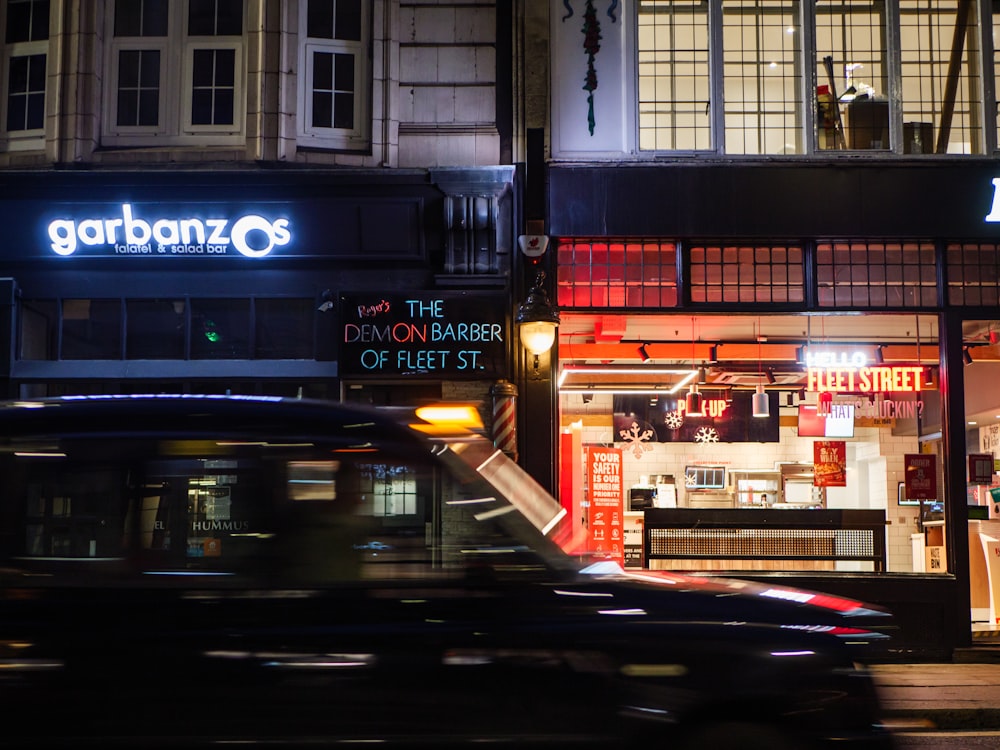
981	468
203	223
920	476
837	421
994	214
663	420
826	358
829	463
864	379
435	335
125	232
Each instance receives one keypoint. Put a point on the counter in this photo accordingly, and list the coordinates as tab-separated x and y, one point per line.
763	539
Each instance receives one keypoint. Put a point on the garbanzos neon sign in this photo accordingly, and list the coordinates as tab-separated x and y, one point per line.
250	235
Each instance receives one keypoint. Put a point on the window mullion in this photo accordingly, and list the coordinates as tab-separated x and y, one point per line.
894	62
717	72
807	25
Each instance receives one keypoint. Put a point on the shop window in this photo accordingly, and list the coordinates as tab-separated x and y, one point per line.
155	328
872	274
674	82
91	329
762	76
334	65
852	76
996	66
189	52
973	274
941	77
746	274
26	43
617	274
220	329
38	330
736	82
284	328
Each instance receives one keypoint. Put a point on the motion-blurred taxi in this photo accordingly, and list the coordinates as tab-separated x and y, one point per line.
190	571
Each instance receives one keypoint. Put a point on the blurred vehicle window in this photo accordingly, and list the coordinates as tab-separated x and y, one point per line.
240	512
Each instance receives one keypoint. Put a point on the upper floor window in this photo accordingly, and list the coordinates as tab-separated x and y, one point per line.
903	76
334	73
175	72
26	43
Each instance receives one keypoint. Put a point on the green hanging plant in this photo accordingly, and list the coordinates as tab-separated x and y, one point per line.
592	45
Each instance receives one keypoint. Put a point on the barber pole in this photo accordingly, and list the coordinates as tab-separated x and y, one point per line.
504	395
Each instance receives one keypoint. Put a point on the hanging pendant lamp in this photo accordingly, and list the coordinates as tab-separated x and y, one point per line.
761	402
694	402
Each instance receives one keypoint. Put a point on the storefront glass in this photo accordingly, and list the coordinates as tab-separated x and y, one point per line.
816	449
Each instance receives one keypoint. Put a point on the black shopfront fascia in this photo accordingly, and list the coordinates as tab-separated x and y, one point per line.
230	234
938	200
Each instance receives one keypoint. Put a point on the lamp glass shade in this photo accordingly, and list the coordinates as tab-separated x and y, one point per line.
761	403
537	336
694	403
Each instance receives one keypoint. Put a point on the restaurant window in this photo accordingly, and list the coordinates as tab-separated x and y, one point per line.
851	75
973	274
167	328
674	81
941	77
91	329
875	274
617	274
220	329
743	82
162	54
334	73
155	328
26	43
762	76
746	274
38	333
284	328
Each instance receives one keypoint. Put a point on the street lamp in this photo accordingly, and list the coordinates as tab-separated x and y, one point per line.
537	320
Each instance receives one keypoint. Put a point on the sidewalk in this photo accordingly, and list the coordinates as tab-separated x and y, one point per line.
960	695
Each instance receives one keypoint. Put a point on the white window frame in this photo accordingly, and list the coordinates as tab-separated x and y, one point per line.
345	139
176	81
22	140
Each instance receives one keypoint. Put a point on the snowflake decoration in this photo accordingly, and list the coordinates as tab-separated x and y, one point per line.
637	440
673	420
706	435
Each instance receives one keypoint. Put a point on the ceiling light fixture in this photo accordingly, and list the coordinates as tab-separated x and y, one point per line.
643	353
967	356
761	402
694	402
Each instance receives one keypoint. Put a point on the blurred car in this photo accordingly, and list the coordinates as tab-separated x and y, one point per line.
191	571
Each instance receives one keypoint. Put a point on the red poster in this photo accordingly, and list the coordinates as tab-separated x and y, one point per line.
604	521
921	476
830	463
